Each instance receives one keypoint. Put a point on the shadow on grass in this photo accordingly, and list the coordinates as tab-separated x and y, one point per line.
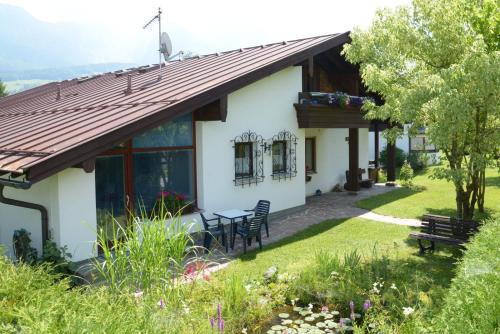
452	212
374	202
308	232
493	181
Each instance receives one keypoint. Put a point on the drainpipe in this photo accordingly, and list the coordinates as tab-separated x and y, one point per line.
41	208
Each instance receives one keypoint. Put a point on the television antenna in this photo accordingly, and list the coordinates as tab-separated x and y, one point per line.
164	42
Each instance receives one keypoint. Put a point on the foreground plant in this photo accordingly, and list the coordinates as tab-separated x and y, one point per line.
150	251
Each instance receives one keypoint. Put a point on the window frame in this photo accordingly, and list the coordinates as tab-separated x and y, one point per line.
424	144
313	170
284	158
250	173
127	150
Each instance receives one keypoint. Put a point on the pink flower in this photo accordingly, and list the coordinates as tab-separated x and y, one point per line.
324	308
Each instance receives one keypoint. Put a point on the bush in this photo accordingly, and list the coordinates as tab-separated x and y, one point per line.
400	157
472	304
418	160
406	175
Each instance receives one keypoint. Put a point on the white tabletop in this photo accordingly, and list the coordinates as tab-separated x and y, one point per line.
233	213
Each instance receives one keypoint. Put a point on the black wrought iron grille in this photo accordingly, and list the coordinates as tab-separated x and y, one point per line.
248	159
286	167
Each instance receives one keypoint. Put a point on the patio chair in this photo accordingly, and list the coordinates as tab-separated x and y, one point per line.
262	209
250	229
213	230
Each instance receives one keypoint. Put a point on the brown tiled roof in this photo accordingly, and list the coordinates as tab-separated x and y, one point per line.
41	134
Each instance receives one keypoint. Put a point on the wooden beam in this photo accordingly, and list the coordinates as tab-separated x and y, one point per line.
352	181
215	111
391	162
310	73
88	165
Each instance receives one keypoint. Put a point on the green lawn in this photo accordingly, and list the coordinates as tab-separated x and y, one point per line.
438	198
296	252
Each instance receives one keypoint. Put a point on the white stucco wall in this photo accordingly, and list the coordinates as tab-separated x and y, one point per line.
69	198
332	157
265	107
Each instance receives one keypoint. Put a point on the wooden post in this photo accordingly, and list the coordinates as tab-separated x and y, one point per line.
310	73
353	182
391	164
377	150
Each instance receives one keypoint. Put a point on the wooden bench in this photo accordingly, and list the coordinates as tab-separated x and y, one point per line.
444	229
363	183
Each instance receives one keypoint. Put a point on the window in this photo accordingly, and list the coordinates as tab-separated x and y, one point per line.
310	155
279	156
134	174
243	162
420	143
283	148
248	159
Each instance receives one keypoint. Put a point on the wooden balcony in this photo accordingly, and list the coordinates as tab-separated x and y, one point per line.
326	116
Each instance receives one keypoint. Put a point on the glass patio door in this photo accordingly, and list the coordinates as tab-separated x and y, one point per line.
110	190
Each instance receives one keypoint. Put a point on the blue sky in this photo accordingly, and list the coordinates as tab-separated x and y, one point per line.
202	26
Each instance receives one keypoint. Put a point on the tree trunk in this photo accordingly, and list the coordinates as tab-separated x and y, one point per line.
481	190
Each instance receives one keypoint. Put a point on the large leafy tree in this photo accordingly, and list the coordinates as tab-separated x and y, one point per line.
3	89
436	64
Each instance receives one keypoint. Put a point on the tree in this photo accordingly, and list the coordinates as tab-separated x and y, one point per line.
436	64
3	89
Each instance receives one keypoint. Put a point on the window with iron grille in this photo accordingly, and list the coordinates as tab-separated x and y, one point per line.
284	147
248	159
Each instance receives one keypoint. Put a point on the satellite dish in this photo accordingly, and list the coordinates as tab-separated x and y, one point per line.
165	45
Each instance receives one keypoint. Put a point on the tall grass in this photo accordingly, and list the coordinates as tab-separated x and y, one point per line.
151	250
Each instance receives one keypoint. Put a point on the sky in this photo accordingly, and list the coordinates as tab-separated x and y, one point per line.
203	26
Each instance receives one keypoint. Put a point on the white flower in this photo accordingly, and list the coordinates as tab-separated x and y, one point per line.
244	331
310	306
248	287
393	286
408	310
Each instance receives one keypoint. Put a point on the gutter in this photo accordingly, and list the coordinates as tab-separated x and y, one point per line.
9	201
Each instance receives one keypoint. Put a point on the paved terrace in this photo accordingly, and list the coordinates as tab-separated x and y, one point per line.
332	205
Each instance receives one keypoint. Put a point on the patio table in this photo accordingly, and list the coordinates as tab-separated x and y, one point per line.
232	215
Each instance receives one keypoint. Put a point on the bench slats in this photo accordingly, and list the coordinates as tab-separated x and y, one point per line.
437	228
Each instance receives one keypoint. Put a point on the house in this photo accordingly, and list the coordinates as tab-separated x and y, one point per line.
222	130
416	144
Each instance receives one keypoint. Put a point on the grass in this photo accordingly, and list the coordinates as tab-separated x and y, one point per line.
472	304
35	293
437	196
294	253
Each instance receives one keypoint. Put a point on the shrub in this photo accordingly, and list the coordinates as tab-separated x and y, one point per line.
400	157
472	303
418	160
406	175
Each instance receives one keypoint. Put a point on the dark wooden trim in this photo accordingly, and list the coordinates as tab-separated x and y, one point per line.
313	153
353	182
88	166
71	156
377	146
215	111
322	116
